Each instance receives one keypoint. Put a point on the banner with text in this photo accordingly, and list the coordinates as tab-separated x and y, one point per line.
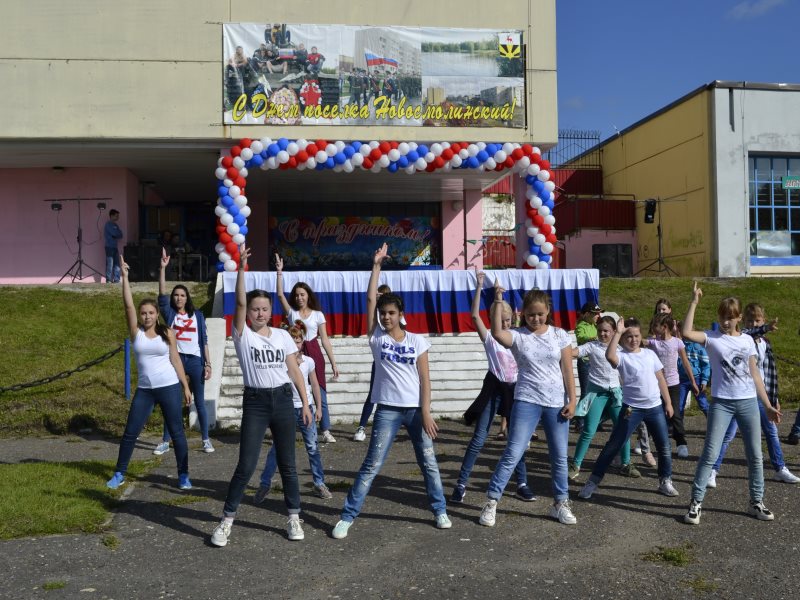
347	243
350	75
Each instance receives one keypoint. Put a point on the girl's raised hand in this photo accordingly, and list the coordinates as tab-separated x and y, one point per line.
499	290
480	276
123	266
164	258
621	325
380	254
278	263
244	254
697	293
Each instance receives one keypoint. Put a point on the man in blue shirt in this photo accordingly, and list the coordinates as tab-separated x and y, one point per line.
112	233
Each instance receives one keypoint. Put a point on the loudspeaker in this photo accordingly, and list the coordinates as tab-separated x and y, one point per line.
613	260
650	211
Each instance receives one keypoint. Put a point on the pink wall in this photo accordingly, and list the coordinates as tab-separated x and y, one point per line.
41	246
578	248
462	220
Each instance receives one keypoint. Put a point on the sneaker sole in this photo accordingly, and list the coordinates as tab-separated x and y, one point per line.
219	544
689	521
486	523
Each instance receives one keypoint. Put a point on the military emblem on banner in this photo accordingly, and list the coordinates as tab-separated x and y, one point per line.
509	43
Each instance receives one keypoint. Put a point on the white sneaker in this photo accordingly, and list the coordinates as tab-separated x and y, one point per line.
683	451
760	512
360	435
637	451
587	490
563	512
488	513
712	480
443	521
340	530
221	533
666	488
692	517
786	476
162	448
327	438
294	529
207	447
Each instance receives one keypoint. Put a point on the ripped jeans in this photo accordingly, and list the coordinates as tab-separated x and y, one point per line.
385	425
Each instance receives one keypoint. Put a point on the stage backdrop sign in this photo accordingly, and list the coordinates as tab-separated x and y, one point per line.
347	243
282	74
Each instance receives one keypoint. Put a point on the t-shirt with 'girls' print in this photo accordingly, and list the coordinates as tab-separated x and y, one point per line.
312	322
306	367
538	356
639	382
263	359
396	376
501	361
730	365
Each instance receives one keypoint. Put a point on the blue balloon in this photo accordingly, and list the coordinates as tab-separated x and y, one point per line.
412	155
243	229
472	162
273	149
530	179
355	145
422	150
264	154
491	149
233	210
538	187
282	143
239	219
536	249
220	267
402	162
546	258
482	156
549	204
339	158
392	168
348	151
329	164
464	165
227	201
320	166
257	160
222	191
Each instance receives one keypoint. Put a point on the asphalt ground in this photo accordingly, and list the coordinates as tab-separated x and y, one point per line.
393	549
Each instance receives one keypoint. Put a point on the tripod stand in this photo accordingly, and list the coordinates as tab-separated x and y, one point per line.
658	265
77	268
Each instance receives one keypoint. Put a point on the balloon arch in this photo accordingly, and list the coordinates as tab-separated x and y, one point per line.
232	171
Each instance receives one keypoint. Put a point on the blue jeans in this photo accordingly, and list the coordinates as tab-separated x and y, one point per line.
193	365
482	427
720	415
273	408
525	416
629	420
770	435
702	401
369	405
796	427
385	425
325	422
112	265
144	400
310	439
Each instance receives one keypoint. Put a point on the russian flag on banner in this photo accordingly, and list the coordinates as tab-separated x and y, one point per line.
391	62
373	60
435	301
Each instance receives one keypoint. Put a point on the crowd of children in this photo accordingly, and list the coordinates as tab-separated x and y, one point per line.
639	383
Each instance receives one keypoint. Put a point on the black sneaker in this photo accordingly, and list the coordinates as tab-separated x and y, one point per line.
457	497
525	493
793	439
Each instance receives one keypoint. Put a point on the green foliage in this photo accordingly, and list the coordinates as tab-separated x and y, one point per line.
677	556
54	585
110	541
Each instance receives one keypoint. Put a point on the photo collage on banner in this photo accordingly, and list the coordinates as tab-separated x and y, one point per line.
346	75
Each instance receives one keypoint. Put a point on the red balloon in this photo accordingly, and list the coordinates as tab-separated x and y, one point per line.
552	238
231	248
302	156
240	182
509	162
430	168
233	173
447	154
393	145
227	162
385	147
321	144
292	162
225	237
538	220
536	158
375	153
221	229
312	149
525	265
245	142
439	162
527	149
544	164
546	229
367	164
517	153
455	147
532	213
283	166
499	167
236	151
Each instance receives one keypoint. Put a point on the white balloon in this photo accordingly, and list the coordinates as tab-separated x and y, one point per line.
447	166
456	161
240	201
394	154
321	156
549	186
472	150
338	168
246	154
221	173
311	163
364	149
463	154
532	231
227	182
500	156
413	145
271	162
348	166
233	229
265	141
543	175
533	260
508	147
283	157
223	256
543	210
553	229
256	147
302	166
528	222
429	157
490	164
383	161
550	220
421	164
230	265
330	150
234	191
403	148
292	148
523	163
219	161
481	145
301	143
539	239
376	168
238	163
530	193
373	144
220	210
547	248
411	169
534	169
243	173
220	247
357	159
537	151
541	265
536	203
226	219
238	239
445	144
436	149
339	145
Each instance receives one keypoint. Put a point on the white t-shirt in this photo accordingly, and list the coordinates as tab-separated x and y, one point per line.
761	354
263	359
638	373
306	367
312	322
730	365
186	334
396	376
601	373
501	361
538	356
152	362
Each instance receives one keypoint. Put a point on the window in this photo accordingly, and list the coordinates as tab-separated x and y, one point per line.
774	211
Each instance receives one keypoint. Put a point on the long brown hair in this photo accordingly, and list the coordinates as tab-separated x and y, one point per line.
534	296
161	329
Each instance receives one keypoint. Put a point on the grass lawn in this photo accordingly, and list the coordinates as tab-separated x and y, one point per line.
49	498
